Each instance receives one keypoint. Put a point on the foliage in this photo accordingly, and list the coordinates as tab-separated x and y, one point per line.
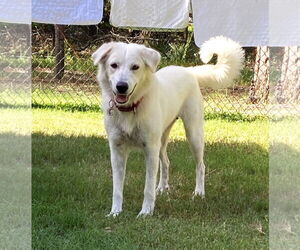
14	62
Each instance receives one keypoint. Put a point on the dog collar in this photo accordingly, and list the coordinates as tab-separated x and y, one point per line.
131	108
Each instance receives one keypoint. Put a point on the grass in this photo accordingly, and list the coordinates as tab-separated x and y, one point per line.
284	162
15	179
71	188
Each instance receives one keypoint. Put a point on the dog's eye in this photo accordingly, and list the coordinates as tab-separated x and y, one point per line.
114	65
135	67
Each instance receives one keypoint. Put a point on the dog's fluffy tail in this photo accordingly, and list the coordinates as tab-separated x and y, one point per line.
228	66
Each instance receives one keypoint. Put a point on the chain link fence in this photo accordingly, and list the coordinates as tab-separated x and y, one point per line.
15	67
63	74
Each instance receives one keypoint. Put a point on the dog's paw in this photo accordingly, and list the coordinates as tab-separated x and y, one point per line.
144	214
148	211
113	214
162	189
198	193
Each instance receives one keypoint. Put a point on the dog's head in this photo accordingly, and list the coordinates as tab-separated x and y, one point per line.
125	69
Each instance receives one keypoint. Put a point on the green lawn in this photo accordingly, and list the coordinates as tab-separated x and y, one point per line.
284	173
71	188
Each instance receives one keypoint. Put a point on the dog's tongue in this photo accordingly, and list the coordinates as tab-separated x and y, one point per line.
121	98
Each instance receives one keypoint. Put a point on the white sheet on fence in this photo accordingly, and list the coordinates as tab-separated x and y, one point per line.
284	22
168	14
246	21
76	12
17	11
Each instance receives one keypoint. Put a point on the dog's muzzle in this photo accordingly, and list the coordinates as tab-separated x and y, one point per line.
131	108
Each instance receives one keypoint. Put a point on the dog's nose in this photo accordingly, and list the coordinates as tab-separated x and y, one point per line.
122	87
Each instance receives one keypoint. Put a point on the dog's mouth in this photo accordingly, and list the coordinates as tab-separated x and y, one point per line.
123	98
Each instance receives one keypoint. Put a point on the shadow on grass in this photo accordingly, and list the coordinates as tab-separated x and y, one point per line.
68	107
284	194
76	171
71	194
15	191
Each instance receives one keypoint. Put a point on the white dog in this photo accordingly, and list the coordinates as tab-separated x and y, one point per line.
141	105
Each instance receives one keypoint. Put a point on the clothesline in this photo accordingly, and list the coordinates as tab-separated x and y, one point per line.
252	23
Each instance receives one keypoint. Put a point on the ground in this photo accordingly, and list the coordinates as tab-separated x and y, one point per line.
71	188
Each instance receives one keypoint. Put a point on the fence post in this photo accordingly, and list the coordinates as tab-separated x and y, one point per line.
59	51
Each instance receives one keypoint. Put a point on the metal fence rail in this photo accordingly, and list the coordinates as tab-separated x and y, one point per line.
269	82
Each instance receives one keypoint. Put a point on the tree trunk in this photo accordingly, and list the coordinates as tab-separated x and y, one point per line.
259	89
287	89
59	51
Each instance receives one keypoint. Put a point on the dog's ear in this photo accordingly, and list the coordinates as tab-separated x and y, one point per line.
101	54
151	58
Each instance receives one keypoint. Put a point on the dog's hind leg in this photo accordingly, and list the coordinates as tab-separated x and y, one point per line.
164	162
193	123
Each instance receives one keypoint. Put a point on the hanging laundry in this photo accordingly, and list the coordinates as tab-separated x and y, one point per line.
244	21
17	11
70	12
284	23
160	14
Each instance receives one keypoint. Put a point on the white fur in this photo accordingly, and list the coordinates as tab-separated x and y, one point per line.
167	94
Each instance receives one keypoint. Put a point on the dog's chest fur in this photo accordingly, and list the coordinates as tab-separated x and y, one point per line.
129	129
135	139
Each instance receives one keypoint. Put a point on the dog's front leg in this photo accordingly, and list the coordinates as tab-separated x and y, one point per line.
119	157
152	161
